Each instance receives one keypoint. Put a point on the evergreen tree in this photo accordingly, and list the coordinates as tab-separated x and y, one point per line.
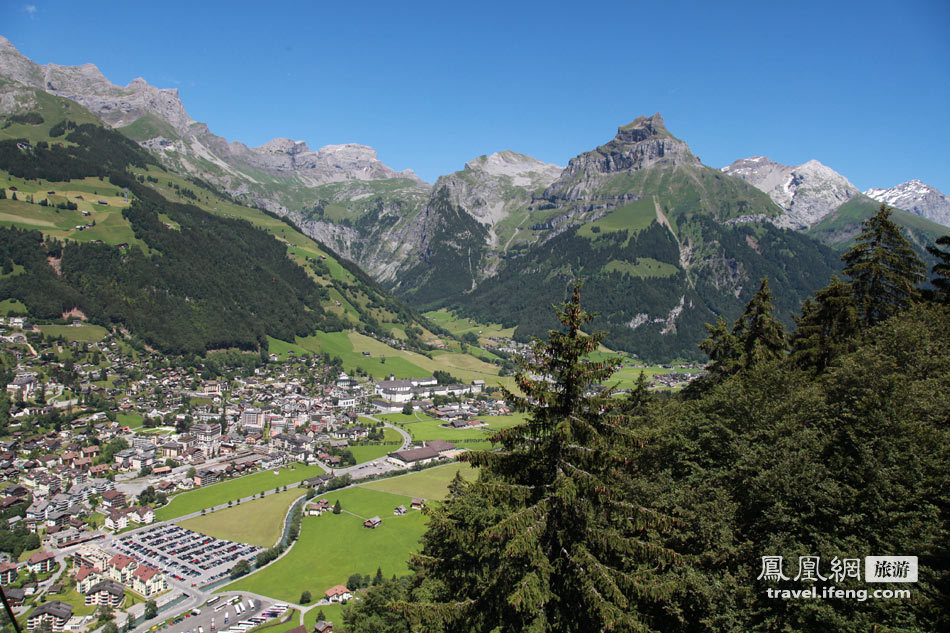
756	336
759	335
722	348
941	269
547	539
883	268
827	327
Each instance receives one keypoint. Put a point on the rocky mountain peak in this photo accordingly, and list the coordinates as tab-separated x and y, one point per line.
641	144
916	197
807	192
284	146
643	128
524	171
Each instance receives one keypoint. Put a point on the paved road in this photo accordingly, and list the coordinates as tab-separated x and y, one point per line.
198	596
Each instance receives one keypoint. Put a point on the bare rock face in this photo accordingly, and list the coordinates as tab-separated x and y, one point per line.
489	185
916	197
639	145
807	192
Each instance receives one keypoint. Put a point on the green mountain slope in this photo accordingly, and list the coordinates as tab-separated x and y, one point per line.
839	228
179	264
663	244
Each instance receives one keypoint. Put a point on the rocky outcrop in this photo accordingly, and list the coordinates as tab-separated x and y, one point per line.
918	198
642	144
806	192
186	143
490	186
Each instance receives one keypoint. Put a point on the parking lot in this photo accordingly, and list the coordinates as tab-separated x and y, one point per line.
186	556
225	614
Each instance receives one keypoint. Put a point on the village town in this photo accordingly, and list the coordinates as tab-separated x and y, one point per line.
99	436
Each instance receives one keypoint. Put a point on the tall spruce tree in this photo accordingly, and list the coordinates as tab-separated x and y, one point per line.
884	269
755	337
827	327
549	537
941	269
759	335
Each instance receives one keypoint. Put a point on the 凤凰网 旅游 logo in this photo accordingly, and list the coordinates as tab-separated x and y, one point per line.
811	569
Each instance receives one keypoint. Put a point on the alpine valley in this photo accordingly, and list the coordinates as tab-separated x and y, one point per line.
662	243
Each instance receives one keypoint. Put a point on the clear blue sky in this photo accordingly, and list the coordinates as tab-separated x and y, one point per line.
864	87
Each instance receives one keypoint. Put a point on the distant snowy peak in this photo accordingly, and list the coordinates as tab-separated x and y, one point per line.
916	197
807	192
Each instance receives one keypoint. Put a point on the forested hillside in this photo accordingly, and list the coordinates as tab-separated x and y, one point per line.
176	263
649	513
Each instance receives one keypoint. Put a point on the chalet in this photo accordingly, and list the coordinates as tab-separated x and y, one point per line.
41	562
322	626
121	568
143	516
338	593
86	578
8	573
118	519
148	581
105	592
417	503
113	499
15	596
400	510
373	523
54	613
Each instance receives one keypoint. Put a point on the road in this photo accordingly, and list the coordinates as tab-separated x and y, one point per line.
198	596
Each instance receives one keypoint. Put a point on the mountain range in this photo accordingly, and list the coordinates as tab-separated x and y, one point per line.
662	241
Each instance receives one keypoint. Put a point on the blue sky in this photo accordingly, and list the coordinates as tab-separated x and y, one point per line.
864	87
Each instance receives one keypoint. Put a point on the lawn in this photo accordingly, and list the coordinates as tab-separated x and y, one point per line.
72	597
431	483
131	420
423	428
233	489
86	333
258	522
332	613
333	547
370	452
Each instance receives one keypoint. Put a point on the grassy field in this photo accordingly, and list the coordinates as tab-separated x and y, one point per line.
643	267
460	325
72	597
131	420
384	360
12	306
423	428
374	451
86	333
258	522
333	613
333	547
632	217
218	494
431	483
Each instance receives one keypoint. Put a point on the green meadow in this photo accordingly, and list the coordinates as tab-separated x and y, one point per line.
233	489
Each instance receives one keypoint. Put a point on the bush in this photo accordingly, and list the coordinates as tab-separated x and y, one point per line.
305	597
